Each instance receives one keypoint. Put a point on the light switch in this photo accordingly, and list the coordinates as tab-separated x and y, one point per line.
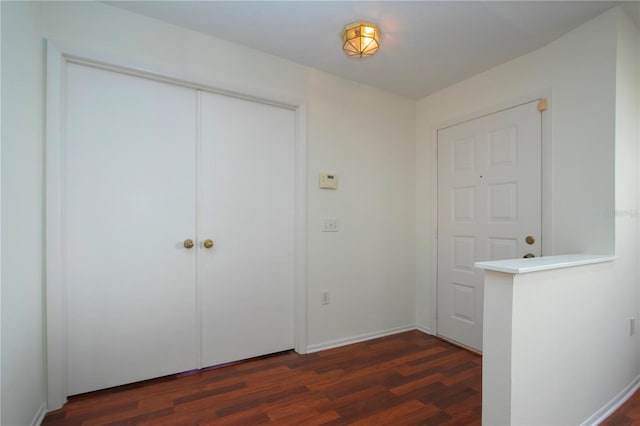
328	181
330	224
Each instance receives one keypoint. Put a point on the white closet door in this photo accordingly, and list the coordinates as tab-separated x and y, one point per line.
129	205
246	172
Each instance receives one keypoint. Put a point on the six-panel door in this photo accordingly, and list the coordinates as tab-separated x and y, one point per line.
489	202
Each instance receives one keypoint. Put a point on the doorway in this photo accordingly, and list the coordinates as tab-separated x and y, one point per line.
165	171
489	208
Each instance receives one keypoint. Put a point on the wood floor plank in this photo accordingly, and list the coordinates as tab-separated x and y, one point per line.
300	406
392	414
628	413
137	419
418	417
417	384
407	378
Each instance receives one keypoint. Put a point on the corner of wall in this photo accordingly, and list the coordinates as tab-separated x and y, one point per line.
627	159
23	350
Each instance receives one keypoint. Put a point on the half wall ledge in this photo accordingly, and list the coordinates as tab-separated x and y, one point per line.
545	263
545	341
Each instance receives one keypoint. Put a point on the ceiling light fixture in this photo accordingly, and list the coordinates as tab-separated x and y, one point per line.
360	39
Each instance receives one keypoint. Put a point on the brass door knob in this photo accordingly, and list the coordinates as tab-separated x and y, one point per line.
530	240
188	244
528	255
208	244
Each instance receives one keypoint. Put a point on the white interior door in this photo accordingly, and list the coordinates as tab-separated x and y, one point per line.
489	202
129	203
246	175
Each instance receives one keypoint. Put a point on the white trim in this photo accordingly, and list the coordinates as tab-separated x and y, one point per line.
359	338
300	234
425	330
497	107
172	74
546	158
199	244
57	57
460	345
610	407
72	59
39	417
435	231
547	176
543	263
54	226
1	235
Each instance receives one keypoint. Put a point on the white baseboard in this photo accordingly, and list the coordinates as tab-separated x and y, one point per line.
609	408
39	417
357	339
425	330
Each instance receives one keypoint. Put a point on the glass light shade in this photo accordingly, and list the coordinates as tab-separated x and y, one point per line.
360	39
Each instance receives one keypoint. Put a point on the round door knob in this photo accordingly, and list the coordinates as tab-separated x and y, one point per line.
530	240
188	244
208	244
528	255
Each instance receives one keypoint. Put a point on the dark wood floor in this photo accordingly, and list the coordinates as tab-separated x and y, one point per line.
404	379
627	414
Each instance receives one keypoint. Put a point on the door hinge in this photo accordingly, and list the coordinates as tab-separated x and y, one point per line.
542	104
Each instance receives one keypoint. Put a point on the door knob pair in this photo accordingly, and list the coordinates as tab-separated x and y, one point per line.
189	244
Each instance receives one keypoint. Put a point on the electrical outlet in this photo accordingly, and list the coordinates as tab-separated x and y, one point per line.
325	297
632	326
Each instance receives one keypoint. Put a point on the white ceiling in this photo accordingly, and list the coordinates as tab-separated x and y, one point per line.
425	45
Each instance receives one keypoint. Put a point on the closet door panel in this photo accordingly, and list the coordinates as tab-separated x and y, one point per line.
129	205
246	172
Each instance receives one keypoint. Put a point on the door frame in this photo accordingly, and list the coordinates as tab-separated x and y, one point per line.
58	55
546	183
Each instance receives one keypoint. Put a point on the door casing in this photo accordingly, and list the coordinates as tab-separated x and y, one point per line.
546	186
58	55
493	179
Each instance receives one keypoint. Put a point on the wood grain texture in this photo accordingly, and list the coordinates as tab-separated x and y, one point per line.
627	414
404	379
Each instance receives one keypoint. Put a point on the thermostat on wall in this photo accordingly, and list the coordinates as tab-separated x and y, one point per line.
328	181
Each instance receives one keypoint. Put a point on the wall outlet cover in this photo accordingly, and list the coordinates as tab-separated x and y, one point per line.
330	224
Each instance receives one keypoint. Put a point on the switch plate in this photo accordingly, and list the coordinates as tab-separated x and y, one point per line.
330	224
328	181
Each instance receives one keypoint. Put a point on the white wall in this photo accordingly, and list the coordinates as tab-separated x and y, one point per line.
364	135
592	74
166	49
367	265
23	377
543	366
0	232
572	354
627	204
577	73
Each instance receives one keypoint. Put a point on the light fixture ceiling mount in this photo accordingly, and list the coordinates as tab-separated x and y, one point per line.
360	39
